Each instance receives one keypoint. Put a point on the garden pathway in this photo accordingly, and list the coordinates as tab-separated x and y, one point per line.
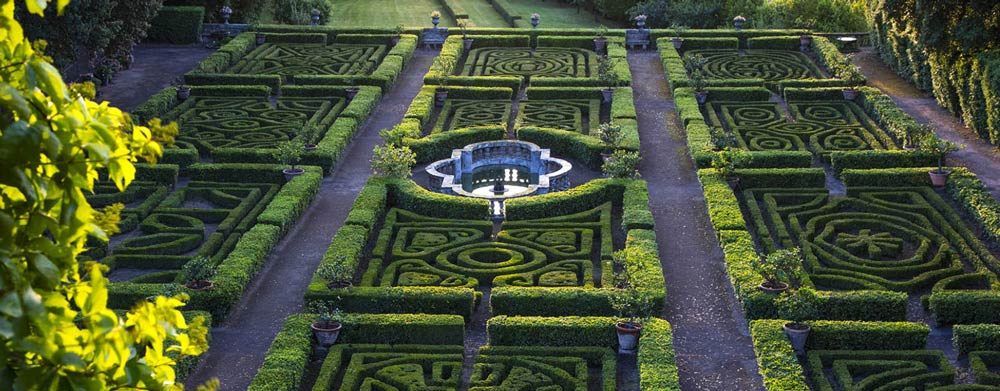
979	157
154	68
243	339
714	351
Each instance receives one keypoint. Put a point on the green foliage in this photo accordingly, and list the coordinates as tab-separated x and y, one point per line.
198	270
289	152
782	266
798	305
939	147
339	270
819	15
622	164
976	337
300	11
664	13
610	134
398	133
177	25
776	359
393	161
446	68
726	161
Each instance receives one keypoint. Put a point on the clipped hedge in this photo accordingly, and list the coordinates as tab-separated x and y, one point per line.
976	337
177	25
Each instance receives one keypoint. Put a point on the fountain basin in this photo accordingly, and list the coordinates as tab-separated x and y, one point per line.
521	167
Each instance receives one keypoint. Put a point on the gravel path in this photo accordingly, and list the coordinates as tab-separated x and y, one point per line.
154	68
240	343
714	351
980	157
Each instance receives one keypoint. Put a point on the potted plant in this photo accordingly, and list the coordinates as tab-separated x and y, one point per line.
183	91
780	270
397	34
738	22
357	69
913	134
941	148
444	65
640	21
225	12
196	273
611	135
308	135
435	18
315	16
393	161
463	24
622	164
678	30
535	19
327	326
694	64
337	273
289	152
797	306
260	38
853	77
726	162
601	38
718	139
608	76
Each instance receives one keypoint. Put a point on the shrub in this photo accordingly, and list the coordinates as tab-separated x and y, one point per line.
393	161
177	25
622	164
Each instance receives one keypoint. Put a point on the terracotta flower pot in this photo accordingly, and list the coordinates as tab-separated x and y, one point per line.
394	40
628	336
311	147
338	284
850	93
467	42
440	96
608	94
351	92
701	96
199	285
183	93
326	333
291	173
678	43
260	38
600	44
939	178
777	288
805	41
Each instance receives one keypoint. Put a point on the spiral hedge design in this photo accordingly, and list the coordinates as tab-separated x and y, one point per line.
311	59
902	239
574	115
927	370
820	127
251	123
770	65
459	114
516	61
163	230
424	367
414	250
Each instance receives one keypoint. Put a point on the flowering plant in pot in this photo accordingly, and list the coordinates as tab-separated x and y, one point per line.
226	12
197	273
797	306
640	20
357	69
600	38
726	161
338	273
435	18
632	305
913	134
327	326
607	74
719	139
289	153
941	148
780	270
393	161
444	65
852	76
678	30
397	34
611	135
622	164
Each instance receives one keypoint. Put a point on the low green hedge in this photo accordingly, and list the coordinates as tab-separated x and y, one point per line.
574	200
576	146
288	357
556	331
841	160
439	146
316	38
292	200
976	337
395	300
781	177
965	307
781	42
177	25
541	301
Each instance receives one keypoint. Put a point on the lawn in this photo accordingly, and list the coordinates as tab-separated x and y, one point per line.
556	14
380	13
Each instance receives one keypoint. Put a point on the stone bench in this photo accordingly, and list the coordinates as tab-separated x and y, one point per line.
635	37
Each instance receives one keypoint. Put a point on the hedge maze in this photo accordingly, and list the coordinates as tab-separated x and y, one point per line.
415	250
522	61
251	123
869	370
577	115
768	65
818	126
461	114
311	59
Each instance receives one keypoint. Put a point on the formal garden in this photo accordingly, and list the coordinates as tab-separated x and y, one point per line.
500	195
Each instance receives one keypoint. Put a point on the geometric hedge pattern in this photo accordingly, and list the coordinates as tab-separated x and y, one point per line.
310	59
415	250
165	230
439	368
574	115
251	123
821	127
770	65
459	114
903	239
915	370
546	62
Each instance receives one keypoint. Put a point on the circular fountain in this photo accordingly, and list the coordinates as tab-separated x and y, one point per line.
499	170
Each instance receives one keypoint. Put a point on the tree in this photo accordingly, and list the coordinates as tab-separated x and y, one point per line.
56	330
